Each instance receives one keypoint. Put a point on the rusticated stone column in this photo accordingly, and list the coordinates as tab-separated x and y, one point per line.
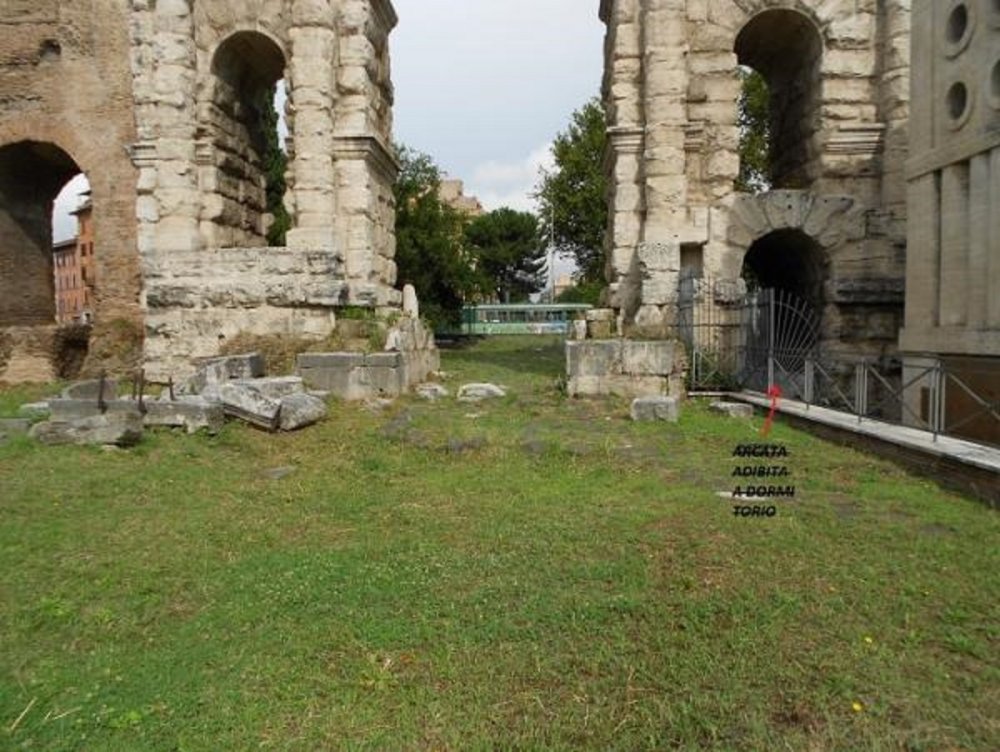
312	73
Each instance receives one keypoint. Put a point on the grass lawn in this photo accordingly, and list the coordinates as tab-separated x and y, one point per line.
531	573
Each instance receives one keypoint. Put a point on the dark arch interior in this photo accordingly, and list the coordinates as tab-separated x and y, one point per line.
787	260
785	47
31	176
248	65
244	130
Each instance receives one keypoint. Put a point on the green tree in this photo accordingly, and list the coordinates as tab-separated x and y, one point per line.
275	164
582	292
430	244
573	197
754	122
510	253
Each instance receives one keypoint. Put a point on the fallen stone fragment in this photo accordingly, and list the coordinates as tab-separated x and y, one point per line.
432	392
274	387
122	429
299	411
190	413
732	409
217	371
248	404
480	392
656	408
278	473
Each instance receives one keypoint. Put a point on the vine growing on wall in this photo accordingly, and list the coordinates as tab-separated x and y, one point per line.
754	122
274	164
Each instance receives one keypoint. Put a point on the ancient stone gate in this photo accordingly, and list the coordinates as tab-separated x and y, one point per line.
832	227
158	102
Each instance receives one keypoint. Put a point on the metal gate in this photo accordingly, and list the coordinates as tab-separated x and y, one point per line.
739	339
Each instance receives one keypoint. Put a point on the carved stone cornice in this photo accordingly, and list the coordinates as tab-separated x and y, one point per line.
370	149
627	139
865	139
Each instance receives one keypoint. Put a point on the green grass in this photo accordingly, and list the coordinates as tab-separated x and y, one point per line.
531	573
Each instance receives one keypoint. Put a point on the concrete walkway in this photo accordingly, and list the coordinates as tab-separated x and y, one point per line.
967	453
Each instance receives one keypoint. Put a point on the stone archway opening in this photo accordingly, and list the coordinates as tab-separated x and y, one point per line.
788	260
43	284
32	174
785	49
246	176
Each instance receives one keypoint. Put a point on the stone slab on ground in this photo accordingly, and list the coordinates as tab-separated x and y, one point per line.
432	392
275	387
300	410
248	404
215	371
122	429
192	414
732	409
75	409
355	376
91	390
480	392
655	409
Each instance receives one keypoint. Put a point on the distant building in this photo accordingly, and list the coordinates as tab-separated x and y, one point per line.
953	251
451	192
73	267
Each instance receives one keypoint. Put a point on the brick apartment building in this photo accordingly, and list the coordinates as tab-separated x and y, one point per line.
73	266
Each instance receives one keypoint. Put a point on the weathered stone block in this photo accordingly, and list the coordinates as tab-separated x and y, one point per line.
649	358
593	357
480	392
655	409
192	414
274	387
299	411
111	429
248	404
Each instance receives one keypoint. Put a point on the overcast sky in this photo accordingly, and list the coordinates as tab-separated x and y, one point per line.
483	86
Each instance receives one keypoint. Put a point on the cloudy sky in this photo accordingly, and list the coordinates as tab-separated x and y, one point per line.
483	86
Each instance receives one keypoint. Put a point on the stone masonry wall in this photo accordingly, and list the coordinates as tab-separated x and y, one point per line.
65	108
197	69
671	88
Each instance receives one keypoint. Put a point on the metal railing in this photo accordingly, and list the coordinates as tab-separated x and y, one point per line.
937	397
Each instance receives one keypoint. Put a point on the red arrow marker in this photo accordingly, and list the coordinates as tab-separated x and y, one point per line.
775	394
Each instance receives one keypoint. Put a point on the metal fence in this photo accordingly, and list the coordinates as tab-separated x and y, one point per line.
753	340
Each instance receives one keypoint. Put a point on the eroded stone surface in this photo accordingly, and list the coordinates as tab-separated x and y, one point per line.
646	409
299	411
838	75
113	428
480	392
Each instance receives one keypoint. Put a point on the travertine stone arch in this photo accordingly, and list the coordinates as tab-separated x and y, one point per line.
66	82
671	84
244	68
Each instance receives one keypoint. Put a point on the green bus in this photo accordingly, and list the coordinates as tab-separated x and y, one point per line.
521	318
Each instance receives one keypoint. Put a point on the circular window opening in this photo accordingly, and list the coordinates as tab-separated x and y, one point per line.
958	23
958	101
